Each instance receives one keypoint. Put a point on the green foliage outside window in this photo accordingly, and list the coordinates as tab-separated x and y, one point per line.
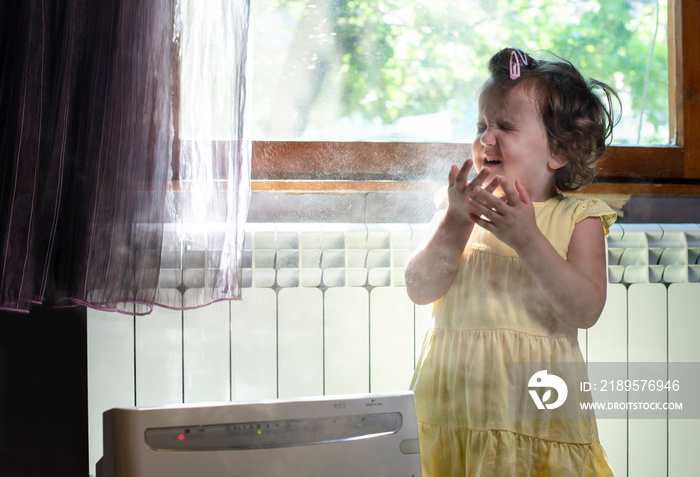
390	59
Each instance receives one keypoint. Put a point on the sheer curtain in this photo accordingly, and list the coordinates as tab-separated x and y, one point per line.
108	198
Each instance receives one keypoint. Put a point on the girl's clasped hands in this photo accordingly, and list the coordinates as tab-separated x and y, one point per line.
509	215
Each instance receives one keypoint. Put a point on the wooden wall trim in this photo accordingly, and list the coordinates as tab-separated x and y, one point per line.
274	160
346	187
687	72
347	161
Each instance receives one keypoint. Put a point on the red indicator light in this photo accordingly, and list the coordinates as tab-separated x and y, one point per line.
181	437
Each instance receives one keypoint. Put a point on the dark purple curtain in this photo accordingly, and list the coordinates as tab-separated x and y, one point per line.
89	105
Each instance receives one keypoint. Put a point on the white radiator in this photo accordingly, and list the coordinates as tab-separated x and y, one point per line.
324	311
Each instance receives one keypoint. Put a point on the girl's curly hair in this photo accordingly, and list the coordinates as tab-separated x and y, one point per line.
577	114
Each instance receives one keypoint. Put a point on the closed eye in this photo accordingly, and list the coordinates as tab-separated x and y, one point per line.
503	126
506	127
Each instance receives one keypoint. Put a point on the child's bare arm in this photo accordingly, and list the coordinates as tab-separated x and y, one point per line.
575	287
432	267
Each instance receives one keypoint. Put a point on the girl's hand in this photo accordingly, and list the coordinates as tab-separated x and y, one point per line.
460	189
511	218
431	268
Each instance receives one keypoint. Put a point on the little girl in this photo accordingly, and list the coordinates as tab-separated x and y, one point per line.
515	268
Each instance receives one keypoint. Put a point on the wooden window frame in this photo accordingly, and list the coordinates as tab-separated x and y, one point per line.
296	166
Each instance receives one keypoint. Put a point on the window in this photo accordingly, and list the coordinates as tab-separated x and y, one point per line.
392	108
410	70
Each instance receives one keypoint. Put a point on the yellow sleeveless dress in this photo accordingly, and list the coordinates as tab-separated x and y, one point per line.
493	314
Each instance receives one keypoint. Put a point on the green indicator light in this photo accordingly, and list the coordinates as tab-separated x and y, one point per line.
259	431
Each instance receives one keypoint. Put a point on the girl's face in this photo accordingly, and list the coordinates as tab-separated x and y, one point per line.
511	141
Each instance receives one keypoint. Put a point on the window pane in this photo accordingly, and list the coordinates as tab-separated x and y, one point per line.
409	70
210	68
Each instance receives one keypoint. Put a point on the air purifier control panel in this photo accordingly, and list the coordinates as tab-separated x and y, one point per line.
273	433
